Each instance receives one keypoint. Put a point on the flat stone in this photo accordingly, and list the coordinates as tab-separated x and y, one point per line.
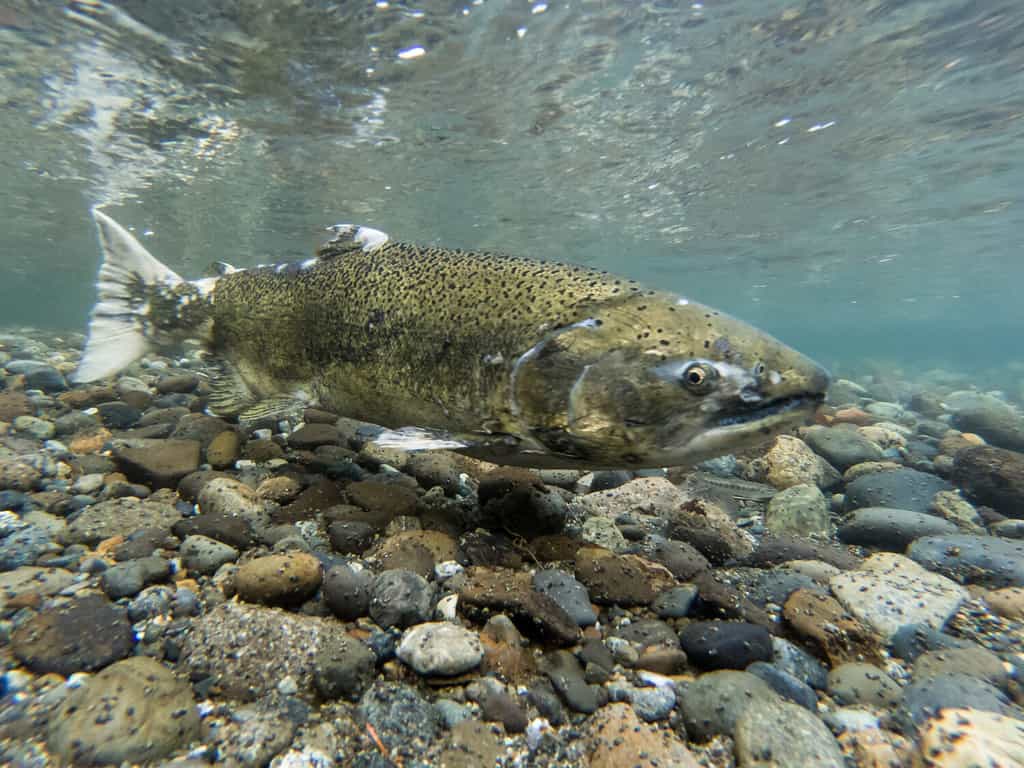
784	735
157	463
823	620
891	591
959	737
287	579
987	560
86	634
842	447
134	711
976	661
866	684
895	489
786	685
617	737
311	435
725	644
30	579
621	579
570	594
440	648
713	703
400	598
922	700
890	529
120	517
204	555
384	499
566	674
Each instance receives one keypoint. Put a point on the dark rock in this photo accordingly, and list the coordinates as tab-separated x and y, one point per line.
795	661
400	716
786	685
896	489
992	476
566	674
890	529
385	501
433	469
911	640
204	555
320	496
230	529
23	547
864	684
544	697
157	463
987	560
87	634
400	598
351	537
790	734
46	378
312	435
713	702
118	414
608	479
1000	425
484	548
129	578
682	559
498	706
725	644
487	591
720	600
676	602
177	383
347	591
648	632
223	450
570	595
621	579
343	668
775	550
199	427
190	485
922	700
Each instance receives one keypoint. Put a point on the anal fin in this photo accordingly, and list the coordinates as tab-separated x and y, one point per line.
229	394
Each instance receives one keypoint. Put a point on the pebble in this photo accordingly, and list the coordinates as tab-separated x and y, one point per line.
987	560
675	602
795	661
890	591
440	648
865	684
771	731
343	667
911	640
785	684
383	501
227	497
961	737
653	704
129	578
566	675
204	555
134	711
224	450
800	510
347	591
235	531
617	737
823	620
923	699
725	644
790	461
17	475
895	489
400	716
570	595
842	447
713	703
621	579
400	598
1007	602
890	529
27	580
992	476
980	663
24	546
287	579
85	634
40	429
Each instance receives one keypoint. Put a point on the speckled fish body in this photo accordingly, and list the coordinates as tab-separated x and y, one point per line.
506	358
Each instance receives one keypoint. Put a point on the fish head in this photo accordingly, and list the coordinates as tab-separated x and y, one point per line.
658	381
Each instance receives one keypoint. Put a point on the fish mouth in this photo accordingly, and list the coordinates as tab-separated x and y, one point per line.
778	407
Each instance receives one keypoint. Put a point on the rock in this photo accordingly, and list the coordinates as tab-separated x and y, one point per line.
621	579
949	505
923	699
842	447
86	634
440	648
723	600
986	560
200	427
961	738
134	711
777	733
890	591
343	667
17	475
226	497
223	450
799	510
775	550
654	703
681	559
725	644
1007	602
20	583
246	651
40	429
23	547
896	489
709	528
675	602
351	537
992	476
526	509
473	743
980	663
13	405
566	674
310	436
790	461
129	578
120	517
287	579
118	414
865	684
785	684
347	591
384	501
655	496
157	463
400	716
713	703
999	423
400	598
439	546
837	633
496	590
890	529
234	531
177	383
617	737
571	596
204	555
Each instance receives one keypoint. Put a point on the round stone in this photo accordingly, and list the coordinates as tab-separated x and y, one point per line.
725	644
286	579
400	598
440	648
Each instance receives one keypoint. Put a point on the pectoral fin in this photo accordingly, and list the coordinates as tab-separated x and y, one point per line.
273	409
419	439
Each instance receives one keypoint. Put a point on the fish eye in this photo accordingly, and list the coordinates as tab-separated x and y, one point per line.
698	377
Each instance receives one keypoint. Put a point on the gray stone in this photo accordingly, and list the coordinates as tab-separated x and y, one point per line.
343	668
784	735
347	591
120	517
128	578
799	663
676	602
785	684
440	648
923	699
800	510
134	711
987	560
23	546
571	596
896	489
399	715
890	529
866	684
400	598
566	674
842	447
653	704
204	555
713	703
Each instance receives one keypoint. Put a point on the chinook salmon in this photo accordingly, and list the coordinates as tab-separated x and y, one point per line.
502	358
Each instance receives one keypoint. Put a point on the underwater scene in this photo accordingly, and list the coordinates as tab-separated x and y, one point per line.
512	383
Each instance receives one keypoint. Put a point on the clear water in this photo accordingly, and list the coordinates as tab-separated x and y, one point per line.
847	174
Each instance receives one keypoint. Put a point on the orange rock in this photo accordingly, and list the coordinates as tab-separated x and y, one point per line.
107	546
875	748
853	416
89	442
973	439
822	619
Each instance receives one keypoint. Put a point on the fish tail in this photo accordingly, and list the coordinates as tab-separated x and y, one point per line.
142	304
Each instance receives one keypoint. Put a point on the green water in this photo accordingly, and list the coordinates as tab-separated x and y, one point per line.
847	174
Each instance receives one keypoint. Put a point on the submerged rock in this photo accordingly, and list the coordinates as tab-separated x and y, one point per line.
993	476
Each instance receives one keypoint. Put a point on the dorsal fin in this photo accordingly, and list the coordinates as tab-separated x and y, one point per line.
351	237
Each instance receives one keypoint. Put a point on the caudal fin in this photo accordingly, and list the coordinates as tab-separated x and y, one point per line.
117	335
